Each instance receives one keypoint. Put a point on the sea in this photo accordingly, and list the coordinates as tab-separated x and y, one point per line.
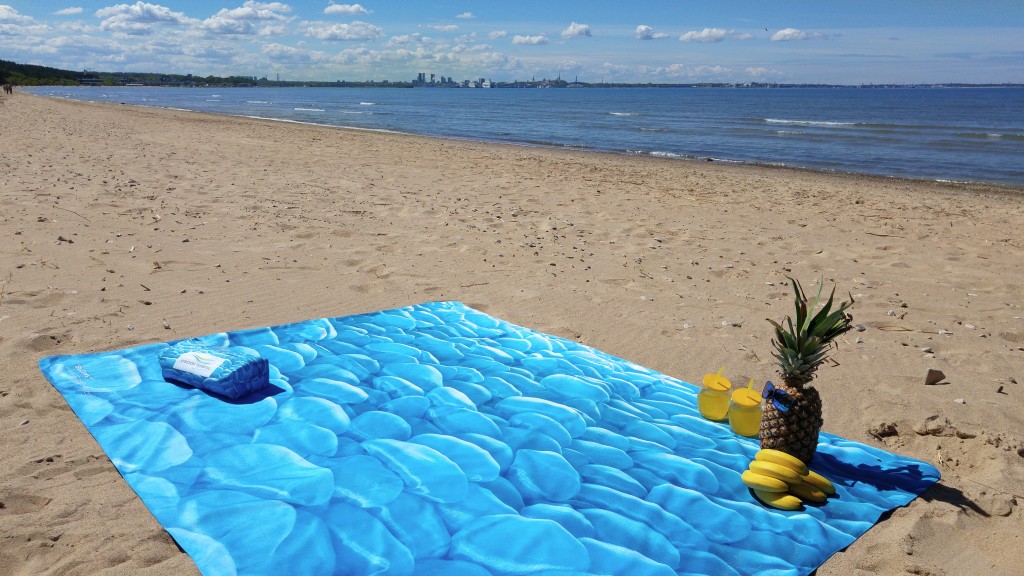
942	134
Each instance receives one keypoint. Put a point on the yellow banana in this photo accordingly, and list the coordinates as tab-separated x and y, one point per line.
779	500
780	457
820	482
787	475
762	482
805	491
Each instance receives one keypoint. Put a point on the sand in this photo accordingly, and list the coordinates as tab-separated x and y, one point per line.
124	226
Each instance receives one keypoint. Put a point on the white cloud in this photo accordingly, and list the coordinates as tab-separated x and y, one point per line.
575	30
9	14
24	34
273	6
644	32
466	16
137	19
444	27
352	32
711	70
472	48
282	53
787	34
743	36
497	34
706	35
242	20
529	40
90	46
409	39
68	11
346	9
466	38
273	30
78	27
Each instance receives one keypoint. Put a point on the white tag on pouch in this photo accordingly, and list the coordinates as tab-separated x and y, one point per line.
198	363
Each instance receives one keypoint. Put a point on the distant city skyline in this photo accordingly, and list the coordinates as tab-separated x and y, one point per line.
659	41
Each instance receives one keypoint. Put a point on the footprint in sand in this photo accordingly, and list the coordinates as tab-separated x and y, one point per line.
18	503
42	341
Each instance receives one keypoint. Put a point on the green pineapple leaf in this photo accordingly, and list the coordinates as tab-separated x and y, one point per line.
801	346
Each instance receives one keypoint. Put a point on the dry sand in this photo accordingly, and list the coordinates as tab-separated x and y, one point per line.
124	226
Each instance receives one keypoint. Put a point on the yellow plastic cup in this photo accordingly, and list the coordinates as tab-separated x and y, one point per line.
745	411
713	398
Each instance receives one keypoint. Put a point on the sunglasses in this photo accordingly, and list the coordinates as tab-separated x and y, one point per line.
779	398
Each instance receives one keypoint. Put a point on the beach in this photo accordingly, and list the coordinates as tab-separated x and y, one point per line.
128	225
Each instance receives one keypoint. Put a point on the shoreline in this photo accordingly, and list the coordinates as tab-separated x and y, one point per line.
686	157
129	225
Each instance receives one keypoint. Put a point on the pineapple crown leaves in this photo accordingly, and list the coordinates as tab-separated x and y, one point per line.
802	346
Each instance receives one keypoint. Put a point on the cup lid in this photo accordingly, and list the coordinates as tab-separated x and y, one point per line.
717	382
746	397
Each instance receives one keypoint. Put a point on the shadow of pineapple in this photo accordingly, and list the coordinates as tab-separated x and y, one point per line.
792	411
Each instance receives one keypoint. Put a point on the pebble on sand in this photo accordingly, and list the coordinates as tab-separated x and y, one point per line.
934	377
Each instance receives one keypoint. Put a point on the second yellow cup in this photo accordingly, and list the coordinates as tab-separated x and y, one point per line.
745	411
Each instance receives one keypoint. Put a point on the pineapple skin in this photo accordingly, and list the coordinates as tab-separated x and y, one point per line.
794	432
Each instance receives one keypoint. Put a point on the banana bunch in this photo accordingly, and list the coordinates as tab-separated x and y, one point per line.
784	482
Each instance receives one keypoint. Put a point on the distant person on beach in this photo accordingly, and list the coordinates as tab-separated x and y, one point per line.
8	89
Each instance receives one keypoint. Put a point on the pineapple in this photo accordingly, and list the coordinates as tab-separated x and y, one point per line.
792	412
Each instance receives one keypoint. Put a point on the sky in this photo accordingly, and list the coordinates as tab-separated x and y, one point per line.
674	41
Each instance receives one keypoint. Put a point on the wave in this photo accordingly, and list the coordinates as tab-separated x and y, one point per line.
308	109
553	144
661	154
809	122
257	102
991	135
368	104
684	156
625	114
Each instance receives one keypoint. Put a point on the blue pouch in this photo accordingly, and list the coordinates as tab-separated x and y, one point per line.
218	370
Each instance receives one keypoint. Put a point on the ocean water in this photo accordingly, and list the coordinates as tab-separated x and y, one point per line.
958	134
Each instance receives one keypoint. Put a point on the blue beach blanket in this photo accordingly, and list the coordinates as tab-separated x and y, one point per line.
436	439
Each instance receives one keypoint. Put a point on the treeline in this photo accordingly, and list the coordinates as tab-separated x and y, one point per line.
30	75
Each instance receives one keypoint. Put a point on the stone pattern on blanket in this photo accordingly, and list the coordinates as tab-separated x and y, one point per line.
436	439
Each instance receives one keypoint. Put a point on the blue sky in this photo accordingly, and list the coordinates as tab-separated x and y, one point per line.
868	41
